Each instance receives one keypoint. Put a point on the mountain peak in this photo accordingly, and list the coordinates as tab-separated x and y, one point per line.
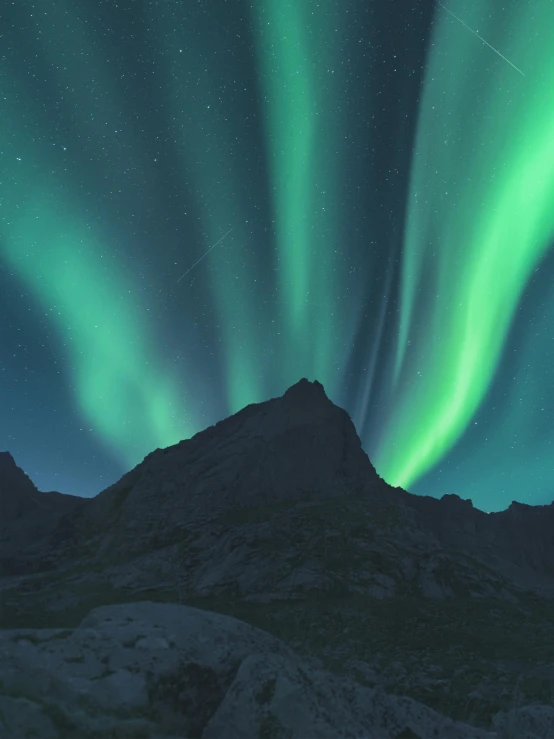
13	478
307	389
17	492
6	461
296	448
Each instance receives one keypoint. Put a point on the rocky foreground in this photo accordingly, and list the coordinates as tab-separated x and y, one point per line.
152	669
316	599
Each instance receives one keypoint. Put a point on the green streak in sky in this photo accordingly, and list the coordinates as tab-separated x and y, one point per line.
122	390
207	136
291	104
300	74
127	395
480	217
300	93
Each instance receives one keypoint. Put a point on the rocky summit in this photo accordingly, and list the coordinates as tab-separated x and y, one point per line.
261	580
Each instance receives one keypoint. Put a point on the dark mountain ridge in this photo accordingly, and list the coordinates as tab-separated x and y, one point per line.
276	516
295	449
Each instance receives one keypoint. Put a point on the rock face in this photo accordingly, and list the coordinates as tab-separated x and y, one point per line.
289	450
163	670
28	519
517	542
16	488
529	722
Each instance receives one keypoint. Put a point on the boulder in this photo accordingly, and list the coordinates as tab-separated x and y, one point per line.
158	671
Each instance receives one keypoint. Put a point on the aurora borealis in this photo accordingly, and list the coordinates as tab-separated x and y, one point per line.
385	184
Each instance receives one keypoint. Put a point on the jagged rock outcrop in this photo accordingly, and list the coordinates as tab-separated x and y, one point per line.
166	671
28	520
288	450
518	543
16	488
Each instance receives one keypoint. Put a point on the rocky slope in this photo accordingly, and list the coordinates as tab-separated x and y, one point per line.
276	516
27	518
163	670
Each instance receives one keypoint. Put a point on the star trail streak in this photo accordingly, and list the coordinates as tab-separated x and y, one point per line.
204	255
481	39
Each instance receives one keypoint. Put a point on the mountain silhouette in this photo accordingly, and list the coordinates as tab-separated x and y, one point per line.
276	516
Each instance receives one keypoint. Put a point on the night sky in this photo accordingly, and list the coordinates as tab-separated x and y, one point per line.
375	183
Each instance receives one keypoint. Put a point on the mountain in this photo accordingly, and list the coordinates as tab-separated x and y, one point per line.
276	516
285	451
518	542
27	517
15	486
291	469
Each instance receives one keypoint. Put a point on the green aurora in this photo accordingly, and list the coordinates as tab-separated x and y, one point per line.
479	220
